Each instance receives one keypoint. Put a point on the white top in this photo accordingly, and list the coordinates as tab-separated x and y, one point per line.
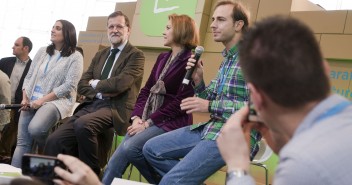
55	74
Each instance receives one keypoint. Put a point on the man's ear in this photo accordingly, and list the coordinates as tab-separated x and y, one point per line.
238	25
256	97
26	48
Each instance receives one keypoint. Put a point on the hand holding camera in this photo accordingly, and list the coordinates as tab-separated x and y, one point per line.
40	167
79	173
51	170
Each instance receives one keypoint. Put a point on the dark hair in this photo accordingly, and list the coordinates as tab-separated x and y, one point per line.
119	13
27	42
239	12
184	30
79	49
281	56
70	40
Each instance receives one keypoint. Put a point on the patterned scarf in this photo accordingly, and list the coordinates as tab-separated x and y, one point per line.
157	92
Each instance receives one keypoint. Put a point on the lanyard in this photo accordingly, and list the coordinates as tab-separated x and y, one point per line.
334	110
46	67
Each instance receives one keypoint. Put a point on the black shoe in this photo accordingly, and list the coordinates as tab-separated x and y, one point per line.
5	159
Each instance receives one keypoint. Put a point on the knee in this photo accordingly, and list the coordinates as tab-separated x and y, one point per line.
35	132
119	153
132	151
148	149
52	140
80	127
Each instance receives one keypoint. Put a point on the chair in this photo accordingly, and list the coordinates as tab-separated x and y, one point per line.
263	155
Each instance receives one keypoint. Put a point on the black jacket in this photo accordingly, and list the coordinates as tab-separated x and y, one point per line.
6	65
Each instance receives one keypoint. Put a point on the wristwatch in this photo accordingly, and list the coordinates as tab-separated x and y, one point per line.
237	173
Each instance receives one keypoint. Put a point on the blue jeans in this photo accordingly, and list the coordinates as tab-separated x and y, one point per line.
130	151
201	157
34	125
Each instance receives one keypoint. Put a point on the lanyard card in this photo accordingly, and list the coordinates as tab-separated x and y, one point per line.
37	93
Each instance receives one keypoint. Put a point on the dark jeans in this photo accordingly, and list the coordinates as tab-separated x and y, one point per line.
82	131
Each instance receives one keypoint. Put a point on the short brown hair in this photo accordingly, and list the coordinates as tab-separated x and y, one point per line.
239	12
27	42
119	13
281	57
184	30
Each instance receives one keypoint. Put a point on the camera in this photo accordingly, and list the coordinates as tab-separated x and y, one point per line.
40	167
252	116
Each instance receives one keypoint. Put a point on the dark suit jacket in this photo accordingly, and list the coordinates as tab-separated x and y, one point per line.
6	65
125	83
169	116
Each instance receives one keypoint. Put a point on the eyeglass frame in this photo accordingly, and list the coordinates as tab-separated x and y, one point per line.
118	27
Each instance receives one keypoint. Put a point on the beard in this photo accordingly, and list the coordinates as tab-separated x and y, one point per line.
116	39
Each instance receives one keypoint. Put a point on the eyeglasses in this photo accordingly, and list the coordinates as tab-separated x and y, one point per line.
118	27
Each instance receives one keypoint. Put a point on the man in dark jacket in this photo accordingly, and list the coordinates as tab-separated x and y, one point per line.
110	87
16	69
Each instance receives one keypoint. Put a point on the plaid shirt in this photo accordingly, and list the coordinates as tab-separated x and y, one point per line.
227	93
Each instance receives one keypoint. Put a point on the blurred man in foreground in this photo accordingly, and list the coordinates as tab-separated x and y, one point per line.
308	127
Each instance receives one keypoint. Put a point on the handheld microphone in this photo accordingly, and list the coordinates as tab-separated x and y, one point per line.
188	77
10	106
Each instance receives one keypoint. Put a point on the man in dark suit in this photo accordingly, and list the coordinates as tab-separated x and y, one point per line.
110	91
16	69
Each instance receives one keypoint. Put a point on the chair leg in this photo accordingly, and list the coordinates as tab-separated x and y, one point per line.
266	176
130	173
266	171
140	177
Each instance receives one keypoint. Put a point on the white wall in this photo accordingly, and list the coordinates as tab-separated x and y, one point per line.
35	18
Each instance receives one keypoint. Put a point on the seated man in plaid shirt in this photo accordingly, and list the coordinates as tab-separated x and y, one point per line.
226	94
